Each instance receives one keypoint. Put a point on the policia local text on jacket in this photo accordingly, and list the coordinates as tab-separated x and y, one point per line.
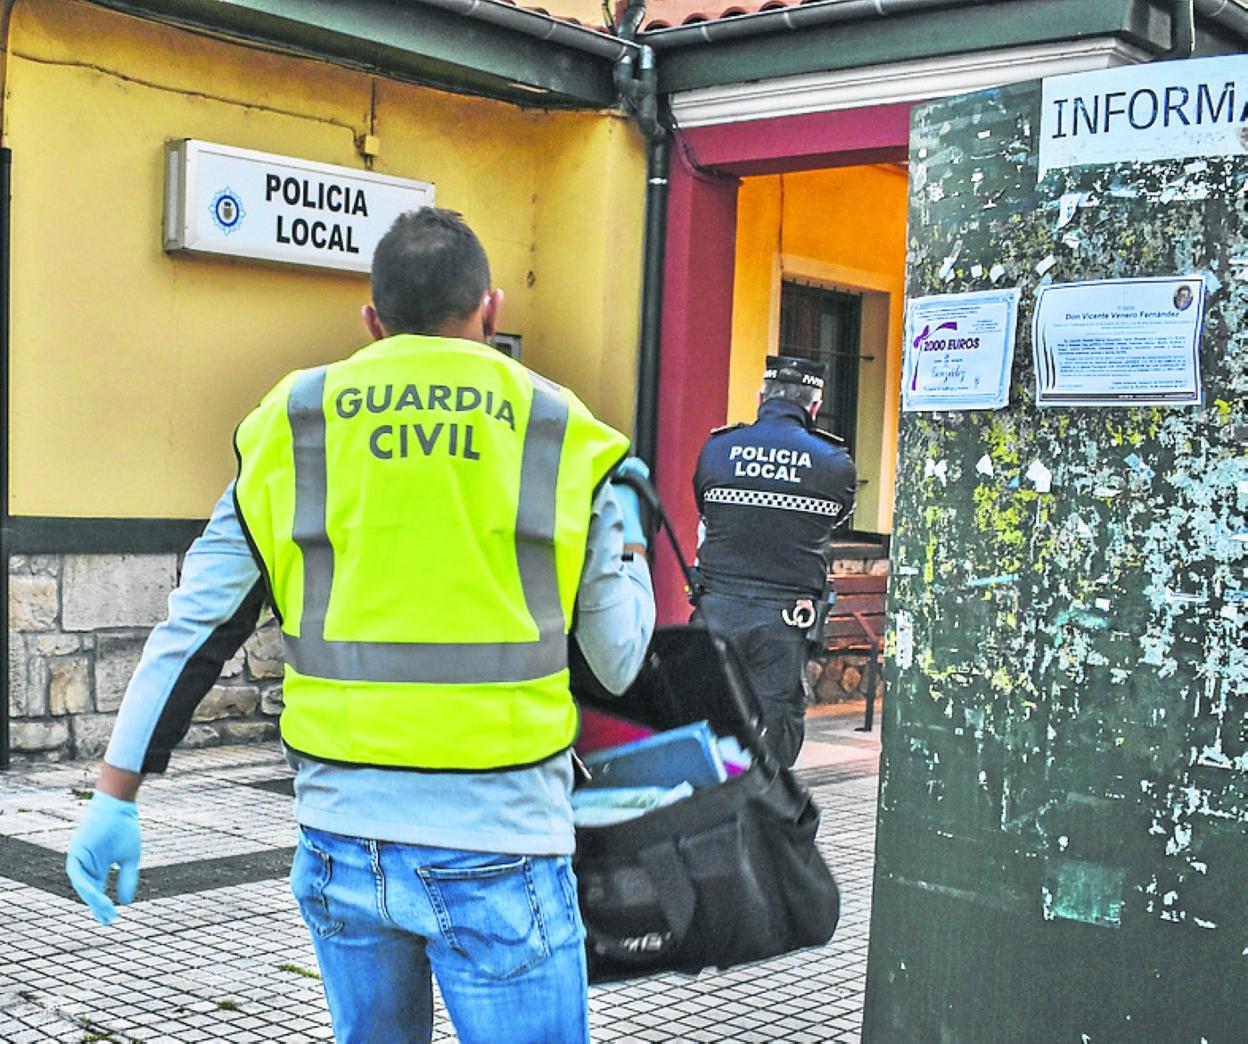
770	495
425	515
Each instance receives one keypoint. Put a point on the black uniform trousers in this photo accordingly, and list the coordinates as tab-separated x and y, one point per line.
774	656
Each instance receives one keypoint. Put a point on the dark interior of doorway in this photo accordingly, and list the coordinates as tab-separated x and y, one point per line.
825	326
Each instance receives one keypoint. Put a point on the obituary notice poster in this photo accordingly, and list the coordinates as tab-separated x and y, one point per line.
1119	342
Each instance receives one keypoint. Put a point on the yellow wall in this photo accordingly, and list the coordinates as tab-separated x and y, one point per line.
130	367
587	248
844	229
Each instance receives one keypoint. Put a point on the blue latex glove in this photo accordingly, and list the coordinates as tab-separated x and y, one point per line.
107	835
626	497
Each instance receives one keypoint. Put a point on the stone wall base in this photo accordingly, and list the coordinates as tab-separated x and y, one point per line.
77	624
840	677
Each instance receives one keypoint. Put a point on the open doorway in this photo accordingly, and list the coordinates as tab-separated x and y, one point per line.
819	273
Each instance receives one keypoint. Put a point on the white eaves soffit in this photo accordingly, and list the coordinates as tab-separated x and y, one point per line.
896	82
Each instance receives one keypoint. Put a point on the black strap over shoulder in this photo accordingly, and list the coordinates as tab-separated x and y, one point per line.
649	496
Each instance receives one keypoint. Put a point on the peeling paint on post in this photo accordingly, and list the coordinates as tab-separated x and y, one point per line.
1063	831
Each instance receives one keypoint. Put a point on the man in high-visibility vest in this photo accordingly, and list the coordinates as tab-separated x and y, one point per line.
424	516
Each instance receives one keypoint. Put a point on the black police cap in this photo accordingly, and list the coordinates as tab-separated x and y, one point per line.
789	370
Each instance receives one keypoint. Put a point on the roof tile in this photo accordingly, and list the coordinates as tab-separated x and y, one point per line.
660	14
666	14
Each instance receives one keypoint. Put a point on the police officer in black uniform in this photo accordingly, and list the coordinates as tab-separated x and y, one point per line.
770	494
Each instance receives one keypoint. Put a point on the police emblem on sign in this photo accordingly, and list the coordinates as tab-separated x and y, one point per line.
227	210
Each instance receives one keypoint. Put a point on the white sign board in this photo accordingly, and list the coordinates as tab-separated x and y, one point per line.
223	200
1119	342
958	351
1158	111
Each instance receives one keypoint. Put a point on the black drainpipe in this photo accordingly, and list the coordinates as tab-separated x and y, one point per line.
6	163
636	79
646	422
658	163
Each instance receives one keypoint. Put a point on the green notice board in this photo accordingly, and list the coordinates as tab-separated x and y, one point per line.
1063	826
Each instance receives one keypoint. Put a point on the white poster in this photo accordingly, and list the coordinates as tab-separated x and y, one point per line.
1119	342
223	200
958	351
1158	111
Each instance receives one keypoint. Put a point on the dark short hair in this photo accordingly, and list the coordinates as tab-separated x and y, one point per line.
428	268
802	394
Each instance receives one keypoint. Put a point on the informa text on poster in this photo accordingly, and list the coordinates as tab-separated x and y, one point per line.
958	351
1119	342
1150	112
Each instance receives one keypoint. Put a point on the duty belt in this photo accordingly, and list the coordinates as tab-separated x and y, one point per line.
784	602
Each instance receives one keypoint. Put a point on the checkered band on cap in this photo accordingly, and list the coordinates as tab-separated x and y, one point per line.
780	501
790	370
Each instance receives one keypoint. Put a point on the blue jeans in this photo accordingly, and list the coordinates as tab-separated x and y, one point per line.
503	934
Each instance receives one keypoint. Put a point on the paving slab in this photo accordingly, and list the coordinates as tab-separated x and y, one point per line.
213	949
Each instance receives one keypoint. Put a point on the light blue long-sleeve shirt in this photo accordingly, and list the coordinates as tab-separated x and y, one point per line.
524	811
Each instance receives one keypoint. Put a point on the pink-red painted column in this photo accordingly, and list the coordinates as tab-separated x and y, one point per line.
693	364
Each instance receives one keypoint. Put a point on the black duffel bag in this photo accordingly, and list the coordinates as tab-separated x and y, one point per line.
727	875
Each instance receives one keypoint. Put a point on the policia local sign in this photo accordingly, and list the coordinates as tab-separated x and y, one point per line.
223	200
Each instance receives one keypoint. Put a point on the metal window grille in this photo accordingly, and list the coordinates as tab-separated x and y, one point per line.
826	326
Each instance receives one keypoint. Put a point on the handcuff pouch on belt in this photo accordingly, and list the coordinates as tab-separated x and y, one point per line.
811	616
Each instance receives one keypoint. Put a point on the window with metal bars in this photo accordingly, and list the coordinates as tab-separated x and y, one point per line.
826	325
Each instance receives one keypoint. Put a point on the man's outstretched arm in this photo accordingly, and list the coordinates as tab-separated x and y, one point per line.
211	613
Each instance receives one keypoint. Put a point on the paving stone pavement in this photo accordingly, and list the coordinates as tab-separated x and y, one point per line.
197	960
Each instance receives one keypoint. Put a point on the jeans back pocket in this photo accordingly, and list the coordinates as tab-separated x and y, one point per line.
309	878
490	914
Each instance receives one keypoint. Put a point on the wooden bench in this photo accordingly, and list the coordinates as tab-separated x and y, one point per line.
856	625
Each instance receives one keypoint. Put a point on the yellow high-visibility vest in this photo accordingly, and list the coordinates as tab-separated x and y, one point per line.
421	510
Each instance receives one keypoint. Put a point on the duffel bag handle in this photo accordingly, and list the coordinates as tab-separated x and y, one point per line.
749	709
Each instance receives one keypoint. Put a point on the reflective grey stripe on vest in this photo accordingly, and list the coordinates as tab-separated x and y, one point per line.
434	662
307	424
